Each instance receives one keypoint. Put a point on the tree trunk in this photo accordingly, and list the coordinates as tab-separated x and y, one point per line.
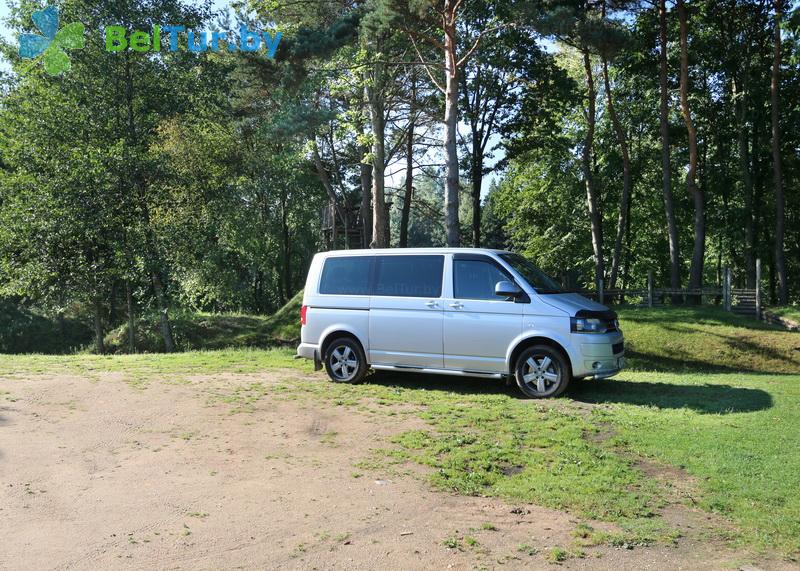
163	305
378	121
366	181
740	107
286	251
773	290
588	177
666	176
62	324
158	285
366	201
409	195
154	262
131	318
405	214
622	220
325	179
780	215
758	183
450	123
477	182
112	304
698	254
99	347
626	273
153	257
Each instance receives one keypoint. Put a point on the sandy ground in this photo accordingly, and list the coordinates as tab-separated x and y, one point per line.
97	474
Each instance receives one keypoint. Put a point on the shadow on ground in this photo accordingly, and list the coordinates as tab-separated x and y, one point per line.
680	364
744	345
700	315
706	399
442	383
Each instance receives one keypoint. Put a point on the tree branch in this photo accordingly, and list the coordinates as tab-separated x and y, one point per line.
421	59
425	38
478	42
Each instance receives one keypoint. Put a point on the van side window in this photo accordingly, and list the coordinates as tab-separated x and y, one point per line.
346	275
409	276
473	279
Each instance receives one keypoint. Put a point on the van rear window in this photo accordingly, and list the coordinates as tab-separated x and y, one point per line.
402	276
409	276
346	275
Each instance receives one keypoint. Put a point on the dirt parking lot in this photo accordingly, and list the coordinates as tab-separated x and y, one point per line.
99	473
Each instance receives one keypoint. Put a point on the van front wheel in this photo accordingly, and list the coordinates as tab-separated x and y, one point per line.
541	372
345	361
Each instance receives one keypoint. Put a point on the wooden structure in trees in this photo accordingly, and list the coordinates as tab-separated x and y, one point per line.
342	226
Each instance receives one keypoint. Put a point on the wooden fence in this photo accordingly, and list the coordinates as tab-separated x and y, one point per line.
745	301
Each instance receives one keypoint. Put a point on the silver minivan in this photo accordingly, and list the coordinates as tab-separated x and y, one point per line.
453	311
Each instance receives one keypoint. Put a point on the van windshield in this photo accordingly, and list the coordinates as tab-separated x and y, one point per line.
538	280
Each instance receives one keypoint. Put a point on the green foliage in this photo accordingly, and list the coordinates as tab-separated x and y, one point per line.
557	555
241	214
169	180
80	187
729	74
23	330
542	204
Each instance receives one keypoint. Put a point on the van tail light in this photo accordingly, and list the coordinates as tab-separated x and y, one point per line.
303	311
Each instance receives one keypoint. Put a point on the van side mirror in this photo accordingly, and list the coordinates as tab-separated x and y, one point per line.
507	289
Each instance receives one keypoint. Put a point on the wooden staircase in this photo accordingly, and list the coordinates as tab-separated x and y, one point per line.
743	302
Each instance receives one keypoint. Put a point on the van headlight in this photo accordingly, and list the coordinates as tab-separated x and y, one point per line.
588	325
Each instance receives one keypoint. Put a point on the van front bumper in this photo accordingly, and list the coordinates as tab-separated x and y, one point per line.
309	351
601	355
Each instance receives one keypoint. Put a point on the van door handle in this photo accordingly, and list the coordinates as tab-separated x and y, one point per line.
457	305
431	304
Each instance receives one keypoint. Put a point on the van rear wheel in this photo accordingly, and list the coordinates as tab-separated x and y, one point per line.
345	361
541	372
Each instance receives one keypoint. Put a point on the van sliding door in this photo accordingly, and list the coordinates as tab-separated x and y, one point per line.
405	314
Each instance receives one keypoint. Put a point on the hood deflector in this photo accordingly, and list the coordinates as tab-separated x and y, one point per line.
607	314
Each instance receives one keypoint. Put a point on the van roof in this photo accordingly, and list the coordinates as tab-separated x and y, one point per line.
378	251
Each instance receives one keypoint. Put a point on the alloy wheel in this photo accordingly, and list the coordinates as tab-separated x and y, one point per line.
541	374
343	363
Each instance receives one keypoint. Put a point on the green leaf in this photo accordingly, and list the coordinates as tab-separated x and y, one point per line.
70	37
56	60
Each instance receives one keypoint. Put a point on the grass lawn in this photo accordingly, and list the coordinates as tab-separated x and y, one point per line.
714	395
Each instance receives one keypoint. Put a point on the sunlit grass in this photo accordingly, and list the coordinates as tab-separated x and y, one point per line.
154	365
